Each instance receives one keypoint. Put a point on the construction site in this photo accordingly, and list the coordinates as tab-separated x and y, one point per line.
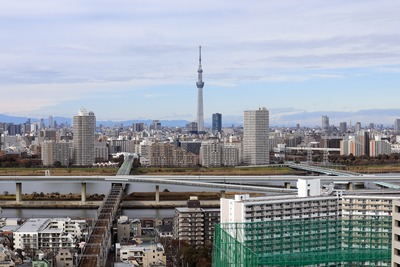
304	242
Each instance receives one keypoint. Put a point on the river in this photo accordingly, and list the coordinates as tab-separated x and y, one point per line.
91	188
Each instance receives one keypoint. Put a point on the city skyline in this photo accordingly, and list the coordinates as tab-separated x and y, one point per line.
132	60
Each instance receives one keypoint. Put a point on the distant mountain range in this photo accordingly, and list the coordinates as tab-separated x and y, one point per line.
20	120
278	117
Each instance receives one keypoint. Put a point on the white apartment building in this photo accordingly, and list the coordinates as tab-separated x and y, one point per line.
39	233
379	147
256	137
308	204
368	204
356	222
145	254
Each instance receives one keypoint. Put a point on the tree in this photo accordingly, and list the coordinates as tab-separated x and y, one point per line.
57	164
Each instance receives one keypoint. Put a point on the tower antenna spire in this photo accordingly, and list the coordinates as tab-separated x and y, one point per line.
200	54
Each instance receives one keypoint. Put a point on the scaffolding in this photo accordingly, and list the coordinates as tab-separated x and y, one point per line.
304	242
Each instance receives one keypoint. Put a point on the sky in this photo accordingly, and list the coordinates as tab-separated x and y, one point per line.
128	60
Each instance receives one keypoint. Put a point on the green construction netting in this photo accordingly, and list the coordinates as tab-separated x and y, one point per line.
302	242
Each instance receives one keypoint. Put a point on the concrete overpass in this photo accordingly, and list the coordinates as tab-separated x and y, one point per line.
220	182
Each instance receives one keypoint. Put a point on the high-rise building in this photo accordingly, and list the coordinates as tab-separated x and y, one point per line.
138	127
83	142
56	151
343	127
216	122
194	224
325	124
314	228
397	126
211	154
156	125
379	147
51	122
256	137
357	127
200	85
396	233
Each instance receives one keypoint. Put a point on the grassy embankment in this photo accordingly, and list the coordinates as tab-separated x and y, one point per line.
374	169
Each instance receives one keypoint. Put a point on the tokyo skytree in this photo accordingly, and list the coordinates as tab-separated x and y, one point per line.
200	85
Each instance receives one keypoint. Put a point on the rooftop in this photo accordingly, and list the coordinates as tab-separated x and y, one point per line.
34	225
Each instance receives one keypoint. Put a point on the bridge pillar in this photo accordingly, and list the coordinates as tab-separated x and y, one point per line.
83	192
18	192
287	185
222	193
350	186
157	193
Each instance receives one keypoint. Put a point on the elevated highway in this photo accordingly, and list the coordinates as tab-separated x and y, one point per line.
197	179
322	170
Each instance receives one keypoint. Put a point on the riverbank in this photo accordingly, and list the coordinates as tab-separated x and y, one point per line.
151	204
137	200
374	169
265	170
49	204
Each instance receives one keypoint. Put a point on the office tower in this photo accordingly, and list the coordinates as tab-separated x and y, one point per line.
343	127
14	129
192	127
83	142
397	126
325	124
42	125
51	122
256	137
372	126
357	127
200	85
138	127
216	122
156	125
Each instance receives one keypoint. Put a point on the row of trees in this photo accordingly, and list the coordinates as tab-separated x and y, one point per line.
22	161
365	159
181	253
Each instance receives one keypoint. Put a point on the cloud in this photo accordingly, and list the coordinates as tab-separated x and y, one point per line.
53	53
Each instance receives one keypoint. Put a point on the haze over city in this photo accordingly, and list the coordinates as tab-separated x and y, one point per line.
138	60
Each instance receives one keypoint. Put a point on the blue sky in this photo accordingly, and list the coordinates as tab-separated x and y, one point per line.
138	59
